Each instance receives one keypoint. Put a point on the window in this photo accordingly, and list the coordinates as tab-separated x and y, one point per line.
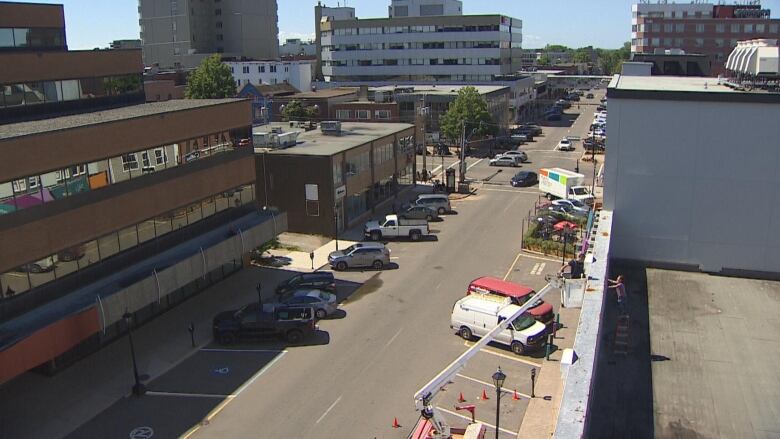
668	27
655	42
667	42
699	28
382	114
734	28
217	11
129	162
760	28
160	156
749	28
272	69
245	69
145	160
679	28
699	42
261	69
219	25
720	28
362	114
343	114
773	28
719	42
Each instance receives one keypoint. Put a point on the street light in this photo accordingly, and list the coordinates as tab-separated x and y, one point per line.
138	388
498	381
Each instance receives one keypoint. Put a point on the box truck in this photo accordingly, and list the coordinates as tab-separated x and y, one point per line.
560	183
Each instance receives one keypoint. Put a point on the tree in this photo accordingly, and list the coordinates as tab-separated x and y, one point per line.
556	48
469	107
544	60
582	56
211	80
296	111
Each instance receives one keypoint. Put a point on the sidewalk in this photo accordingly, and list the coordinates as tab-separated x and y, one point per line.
302	261
542	412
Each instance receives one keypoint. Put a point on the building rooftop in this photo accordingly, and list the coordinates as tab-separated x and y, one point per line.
98	117
326	93
682	87
443	89
315	143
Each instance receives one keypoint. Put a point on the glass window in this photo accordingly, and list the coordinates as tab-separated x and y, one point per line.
720	28
222	202
208	207
128	238
194	214
748	28
14	94
773	28
129	162
68	260
93	88
179	219
735	28
71	90
14	282
163	224
146	231
21	37
108	246
41	271
760	28
6	37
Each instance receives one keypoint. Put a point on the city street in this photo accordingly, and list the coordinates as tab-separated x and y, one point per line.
362	369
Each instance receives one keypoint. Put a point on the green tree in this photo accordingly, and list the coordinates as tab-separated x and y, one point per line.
211	80
544	60
296	111
581	56
556	48
469	107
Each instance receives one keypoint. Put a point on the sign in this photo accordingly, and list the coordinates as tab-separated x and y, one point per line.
141	433
312	192
341	192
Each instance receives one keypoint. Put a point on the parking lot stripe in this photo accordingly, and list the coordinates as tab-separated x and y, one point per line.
329	409
485	383
541	258
535	267
473	164
512	267
190	395
259	373
468	418
514	191
394	337
243	350
499	354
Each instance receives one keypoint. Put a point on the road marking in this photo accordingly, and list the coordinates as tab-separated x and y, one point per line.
512	267
535	267
490	351
436	169
328	410
277	351
468	418
485	383
514	191
394	337
394	258
537	270
189	395
473	164
259	373
454	164
541	258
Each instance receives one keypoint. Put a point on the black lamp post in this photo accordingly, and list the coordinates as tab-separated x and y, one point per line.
498	381
533	382
138	388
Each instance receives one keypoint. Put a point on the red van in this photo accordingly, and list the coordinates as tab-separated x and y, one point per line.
542	312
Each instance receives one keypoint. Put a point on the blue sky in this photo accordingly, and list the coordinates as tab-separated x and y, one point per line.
601	23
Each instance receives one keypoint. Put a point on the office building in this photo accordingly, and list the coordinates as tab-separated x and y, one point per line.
325	13
296	73
108	205
319	100
701	28
435	48
294	47
687	158
424	8
676	63
180	33
125	44
345	172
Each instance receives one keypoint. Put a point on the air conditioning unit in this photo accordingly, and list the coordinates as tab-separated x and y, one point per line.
331	127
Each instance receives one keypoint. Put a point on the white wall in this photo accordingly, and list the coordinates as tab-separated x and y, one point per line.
296	73
695	183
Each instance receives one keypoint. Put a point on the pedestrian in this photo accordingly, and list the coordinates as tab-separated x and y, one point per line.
576	267
620	290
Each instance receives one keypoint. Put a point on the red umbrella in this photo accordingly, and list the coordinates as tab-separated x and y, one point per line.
564	224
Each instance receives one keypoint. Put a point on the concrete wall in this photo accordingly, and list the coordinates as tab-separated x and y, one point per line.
695	183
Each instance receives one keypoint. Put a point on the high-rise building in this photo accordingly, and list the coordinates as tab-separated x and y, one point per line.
109	206
180	33
424	8
700	27
325	13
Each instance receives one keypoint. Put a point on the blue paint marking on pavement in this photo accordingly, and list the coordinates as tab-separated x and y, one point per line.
221	371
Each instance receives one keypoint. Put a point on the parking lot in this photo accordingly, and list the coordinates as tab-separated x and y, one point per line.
363	367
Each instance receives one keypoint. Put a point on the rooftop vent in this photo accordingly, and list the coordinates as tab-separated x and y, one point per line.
331	127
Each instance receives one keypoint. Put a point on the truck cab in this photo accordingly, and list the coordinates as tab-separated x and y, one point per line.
394	227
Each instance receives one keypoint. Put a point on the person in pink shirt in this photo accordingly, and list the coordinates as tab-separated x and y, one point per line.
620	289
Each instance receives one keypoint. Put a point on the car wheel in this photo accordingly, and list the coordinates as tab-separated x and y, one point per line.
465	333
320	314
549	197
341	266
518	348
294	336
376	236
442	211
227	338
415	235
378	265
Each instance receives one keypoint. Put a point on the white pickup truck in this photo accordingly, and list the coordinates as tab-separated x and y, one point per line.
394	227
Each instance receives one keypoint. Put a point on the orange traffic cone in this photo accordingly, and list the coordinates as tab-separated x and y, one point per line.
516	397
484	394
461	398
395	423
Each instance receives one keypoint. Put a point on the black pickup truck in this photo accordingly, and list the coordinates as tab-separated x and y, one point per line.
293	323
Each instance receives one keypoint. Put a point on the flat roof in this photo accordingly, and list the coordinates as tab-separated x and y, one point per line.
353	134
684	88
443	89
327	93
29	128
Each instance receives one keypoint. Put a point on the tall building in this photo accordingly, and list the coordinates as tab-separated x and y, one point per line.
295	47
702	28
108	205
180	33
424	8
324	13
435	48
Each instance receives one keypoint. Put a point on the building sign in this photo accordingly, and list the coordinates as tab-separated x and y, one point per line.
341	192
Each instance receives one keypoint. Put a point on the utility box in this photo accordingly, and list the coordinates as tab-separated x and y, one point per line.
450	180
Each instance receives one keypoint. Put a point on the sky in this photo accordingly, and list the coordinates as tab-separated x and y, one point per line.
574	23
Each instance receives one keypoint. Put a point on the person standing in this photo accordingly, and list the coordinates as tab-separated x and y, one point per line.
620	290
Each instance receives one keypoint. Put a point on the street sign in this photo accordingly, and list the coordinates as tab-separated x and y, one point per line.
341	192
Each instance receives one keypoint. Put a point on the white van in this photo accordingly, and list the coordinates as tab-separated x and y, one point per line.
477	314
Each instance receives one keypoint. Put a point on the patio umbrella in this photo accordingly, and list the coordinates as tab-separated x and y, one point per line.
564	224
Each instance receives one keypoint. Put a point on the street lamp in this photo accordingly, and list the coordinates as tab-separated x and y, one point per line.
138	388
498	381
336	224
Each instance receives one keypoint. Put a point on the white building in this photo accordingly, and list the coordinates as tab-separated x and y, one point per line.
296	73
436	48
424	8
692	174
294	47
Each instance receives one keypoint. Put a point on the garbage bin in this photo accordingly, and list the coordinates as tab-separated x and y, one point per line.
464	187
450	182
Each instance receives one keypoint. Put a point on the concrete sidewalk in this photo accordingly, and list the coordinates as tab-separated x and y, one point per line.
302	261
542	412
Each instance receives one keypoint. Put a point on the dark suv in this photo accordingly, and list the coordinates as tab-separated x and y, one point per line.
320	280
292	323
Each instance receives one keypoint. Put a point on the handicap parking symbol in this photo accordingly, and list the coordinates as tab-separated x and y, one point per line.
141	433
221	371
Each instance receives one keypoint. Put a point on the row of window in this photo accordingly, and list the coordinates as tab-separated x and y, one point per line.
413	29
79	257
34	38
32	93
672	14
720	28
681	42
419	45
35	190
362	114
383	153
414	62
261	69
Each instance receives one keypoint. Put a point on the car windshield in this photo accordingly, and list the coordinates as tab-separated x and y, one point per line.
580	191
349	249
525	321
577	203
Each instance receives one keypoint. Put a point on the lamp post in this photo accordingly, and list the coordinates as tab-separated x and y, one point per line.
533	382
138	388
336	224
498	381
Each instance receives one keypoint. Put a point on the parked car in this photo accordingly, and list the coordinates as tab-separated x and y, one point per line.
521	155
438	202
601	107
363	254
518	293
524	179
413	211
552	117
573	204
589	96
321	280
502	160
564	211
518	139
393	227
41	266
591	143
442	149
563	103
244	143
72	253
534	129
255	320
323	302
565	145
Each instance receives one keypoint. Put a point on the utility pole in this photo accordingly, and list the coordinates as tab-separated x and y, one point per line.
462	177
422	123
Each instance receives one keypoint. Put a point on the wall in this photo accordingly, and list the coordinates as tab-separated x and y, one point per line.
31	15
694	183
49	66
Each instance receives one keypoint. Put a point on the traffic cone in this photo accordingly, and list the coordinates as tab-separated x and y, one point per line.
395	423
461	398
516	397
484	394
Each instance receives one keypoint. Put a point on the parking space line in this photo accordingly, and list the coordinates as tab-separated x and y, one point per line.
514	191
189	395
277	351
538	268
468	418
328	410
502	355
394	337
541	258
485	383
535	267
512	267
473	164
